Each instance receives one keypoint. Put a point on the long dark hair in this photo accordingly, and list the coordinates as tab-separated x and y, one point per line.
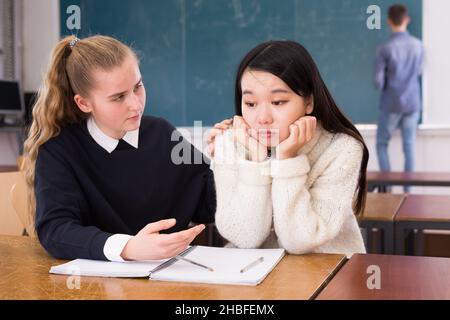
292	63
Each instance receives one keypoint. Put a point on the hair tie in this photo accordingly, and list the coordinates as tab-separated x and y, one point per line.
73	42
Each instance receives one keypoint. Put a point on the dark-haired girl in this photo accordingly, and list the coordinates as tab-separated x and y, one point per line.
291	171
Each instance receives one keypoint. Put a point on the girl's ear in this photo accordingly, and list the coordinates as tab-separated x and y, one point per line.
310	104
82	103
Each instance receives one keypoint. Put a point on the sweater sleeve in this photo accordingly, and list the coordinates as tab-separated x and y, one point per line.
244	205
62	216
306	218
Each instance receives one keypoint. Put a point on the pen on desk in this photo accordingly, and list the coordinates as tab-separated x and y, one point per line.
193	262
251	265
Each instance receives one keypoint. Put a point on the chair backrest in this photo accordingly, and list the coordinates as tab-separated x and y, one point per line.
20	162
19	201
10	223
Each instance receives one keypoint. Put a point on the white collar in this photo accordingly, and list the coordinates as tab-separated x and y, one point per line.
108	143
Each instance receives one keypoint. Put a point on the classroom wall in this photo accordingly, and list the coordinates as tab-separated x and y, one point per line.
41	32
1	43
191	49
436	80
432	153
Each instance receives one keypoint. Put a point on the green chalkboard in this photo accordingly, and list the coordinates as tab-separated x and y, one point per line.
190	49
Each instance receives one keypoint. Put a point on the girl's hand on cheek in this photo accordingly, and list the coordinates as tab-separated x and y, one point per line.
219	128
300	133
242	135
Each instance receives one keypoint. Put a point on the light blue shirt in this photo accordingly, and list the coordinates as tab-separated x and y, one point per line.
398	65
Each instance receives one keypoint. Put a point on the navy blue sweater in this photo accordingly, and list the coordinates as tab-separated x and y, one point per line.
85	194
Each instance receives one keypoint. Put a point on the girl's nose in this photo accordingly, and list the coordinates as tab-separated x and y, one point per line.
265	115
134	103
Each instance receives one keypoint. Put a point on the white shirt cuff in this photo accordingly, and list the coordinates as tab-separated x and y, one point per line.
114	246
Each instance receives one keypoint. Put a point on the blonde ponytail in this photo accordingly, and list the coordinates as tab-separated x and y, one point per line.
69	73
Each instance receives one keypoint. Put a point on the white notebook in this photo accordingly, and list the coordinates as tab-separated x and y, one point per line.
227	264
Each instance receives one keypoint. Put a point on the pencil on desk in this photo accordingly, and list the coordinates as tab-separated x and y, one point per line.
193	262
251	265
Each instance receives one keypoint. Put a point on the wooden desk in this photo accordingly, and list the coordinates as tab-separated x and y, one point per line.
421	212
380	180
24	267
402	277
379	213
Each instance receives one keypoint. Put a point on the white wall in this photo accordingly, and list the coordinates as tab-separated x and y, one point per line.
40	34
436	78
1	42
9	148
432	153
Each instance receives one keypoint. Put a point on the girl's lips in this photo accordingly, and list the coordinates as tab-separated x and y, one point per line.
137	116
265	133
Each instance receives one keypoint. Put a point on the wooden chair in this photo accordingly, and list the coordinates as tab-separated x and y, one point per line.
19	201
20	162
10	223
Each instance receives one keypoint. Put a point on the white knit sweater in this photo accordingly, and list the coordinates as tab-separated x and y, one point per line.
302	204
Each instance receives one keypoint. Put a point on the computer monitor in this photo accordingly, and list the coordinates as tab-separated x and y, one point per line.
11	99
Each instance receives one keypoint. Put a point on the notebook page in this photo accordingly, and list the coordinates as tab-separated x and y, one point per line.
226	262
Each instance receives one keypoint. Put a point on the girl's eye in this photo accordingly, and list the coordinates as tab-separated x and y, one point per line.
119	98
138	86
250	104
279	102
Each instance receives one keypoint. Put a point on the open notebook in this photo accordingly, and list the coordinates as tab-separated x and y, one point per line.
226	262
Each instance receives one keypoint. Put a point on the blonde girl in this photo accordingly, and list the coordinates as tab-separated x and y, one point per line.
101	178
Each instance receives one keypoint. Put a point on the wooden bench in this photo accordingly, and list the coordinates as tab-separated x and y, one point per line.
379	213
420	212
380	180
